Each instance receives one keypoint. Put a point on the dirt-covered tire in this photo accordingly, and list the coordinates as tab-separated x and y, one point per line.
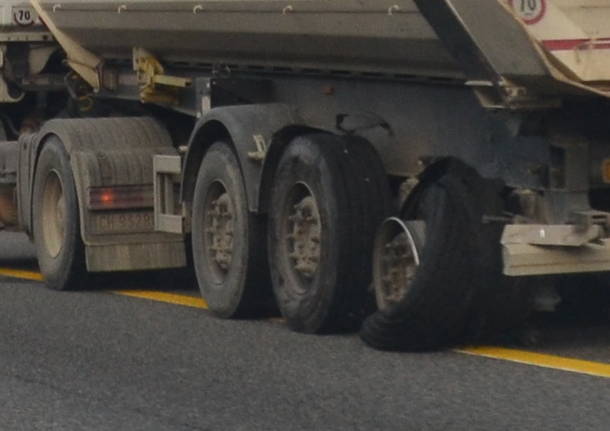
377	204
458	291
228	242
56	221
324	210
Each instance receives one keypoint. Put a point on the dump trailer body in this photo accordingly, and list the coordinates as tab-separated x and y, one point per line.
552	47
331	35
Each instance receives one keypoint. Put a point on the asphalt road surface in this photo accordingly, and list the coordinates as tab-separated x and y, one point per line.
101	360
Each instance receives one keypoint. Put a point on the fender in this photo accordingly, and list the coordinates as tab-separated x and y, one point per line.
251	129
106	152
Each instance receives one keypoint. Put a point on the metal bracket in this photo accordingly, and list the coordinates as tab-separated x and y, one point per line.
261	149
5	95
552	235
556	249
167	170
215	92
584	220
504	94
525	259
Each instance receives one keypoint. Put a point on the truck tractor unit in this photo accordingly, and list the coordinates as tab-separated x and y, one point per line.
420	170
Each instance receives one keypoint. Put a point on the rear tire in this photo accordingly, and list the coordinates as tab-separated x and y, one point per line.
56	223
229	253
325	207
456	292
432	311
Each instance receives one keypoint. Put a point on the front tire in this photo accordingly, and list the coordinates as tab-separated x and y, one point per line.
56	224
228	242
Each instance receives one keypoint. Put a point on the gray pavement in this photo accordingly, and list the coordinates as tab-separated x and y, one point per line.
98	361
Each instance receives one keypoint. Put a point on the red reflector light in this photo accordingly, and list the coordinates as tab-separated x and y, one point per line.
120	197
106	198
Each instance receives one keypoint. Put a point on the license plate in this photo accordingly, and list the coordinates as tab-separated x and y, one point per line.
122	222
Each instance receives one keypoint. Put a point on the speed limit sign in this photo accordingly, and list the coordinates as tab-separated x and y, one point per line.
530	11
24	16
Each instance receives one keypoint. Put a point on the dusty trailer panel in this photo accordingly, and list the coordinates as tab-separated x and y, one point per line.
529	48
308	34
575	35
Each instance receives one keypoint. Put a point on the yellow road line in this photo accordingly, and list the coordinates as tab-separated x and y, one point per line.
597	369
171	298
18	273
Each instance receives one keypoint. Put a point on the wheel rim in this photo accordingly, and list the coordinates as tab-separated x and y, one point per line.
302	235
219	218
395	260
53	214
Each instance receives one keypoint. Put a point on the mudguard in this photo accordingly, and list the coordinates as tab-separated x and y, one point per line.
116	152
252	130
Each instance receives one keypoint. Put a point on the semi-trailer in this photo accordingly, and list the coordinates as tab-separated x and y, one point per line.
419	169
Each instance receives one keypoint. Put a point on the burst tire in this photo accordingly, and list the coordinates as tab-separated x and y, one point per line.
458	291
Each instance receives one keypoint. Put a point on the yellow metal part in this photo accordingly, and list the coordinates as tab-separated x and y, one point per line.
155	86
170	298
19	273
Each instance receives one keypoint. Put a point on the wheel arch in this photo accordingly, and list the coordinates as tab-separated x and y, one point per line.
257	134
280	141
205	133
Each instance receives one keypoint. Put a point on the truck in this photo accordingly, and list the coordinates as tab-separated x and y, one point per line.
420	170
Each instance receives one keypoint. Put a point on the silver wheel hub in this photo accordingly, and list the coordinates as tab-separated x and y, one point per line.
220	231
53	214
304	237
396	260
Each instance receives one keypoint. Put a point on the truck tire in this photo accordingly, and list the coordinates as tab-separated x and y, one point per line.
324	210
458	292
433	311
56	224
378	204
229	253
